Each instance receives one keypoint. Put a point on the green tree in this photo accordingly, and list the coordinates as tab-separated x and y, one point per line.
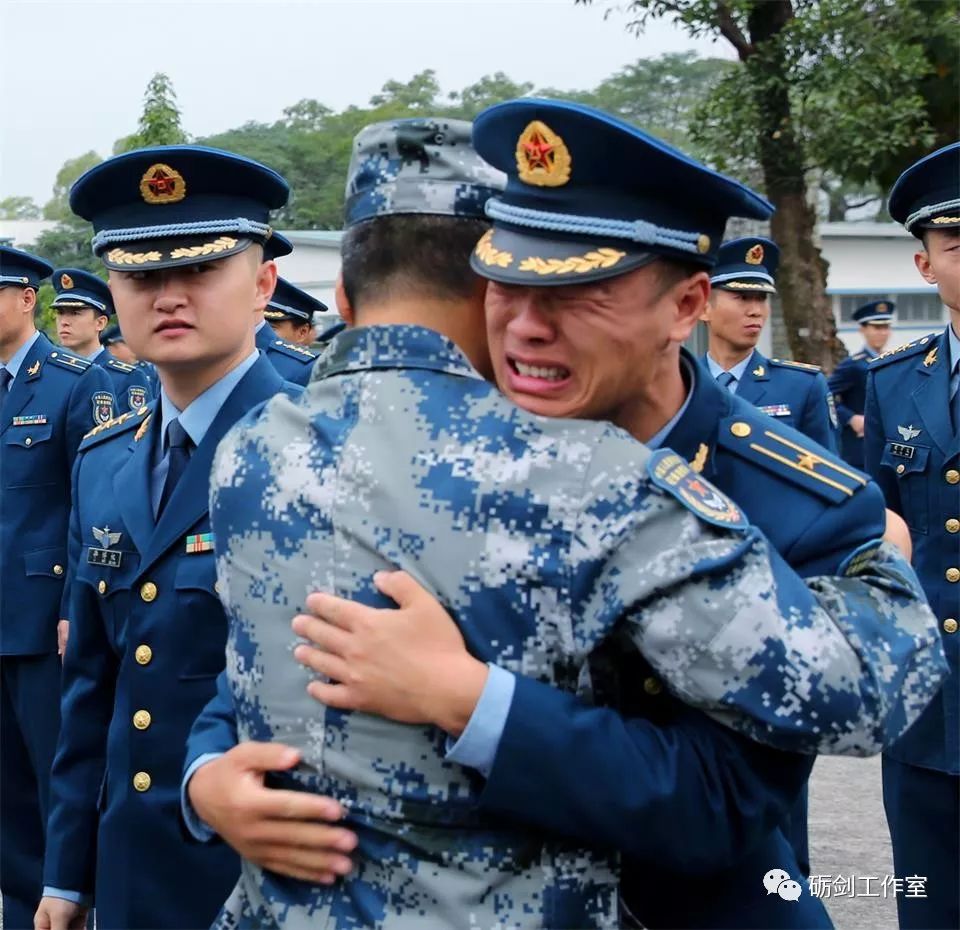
419	95
490	89
822	85
159	121
68	245
58	207
19	208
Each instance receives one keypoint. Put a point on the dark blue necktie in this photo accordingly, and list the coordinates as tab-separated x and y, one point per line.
954	405
179	447
725	379
5	379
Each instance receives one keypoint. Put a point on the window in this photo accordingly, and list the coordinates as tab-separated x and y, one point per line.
911	308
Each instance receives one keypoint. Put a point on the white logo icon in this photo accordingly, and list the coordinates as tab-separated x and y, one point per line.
776	881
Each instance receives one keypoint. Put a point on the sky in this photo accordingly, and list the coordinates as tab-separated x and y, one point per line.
77	70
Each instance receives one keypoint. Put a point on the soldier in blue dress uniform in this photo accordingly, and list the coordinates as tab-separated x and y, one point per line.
792	392
848	383
181	230
84	306
290	313
912	448
577	779
49	398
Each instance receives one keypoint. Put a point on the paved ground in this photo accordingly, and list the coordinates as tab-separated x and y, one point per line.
848	837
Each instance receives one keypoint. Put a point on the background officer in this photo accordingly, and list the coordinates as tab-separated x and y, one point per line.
912	448
848	383
793	392
112	339
290	313
49	398
181	230
84	306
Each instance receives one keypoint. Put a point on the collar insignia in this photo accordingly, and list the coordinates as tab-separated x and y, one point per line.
759	371
931	358
34	368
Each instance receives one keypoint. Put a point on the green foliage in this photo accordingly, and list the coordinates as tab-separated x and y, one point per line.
67	245
19	208
159	121
58	207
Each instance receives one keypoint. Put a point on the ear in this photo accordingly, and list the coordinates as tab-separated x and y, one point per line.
266	284
29	298
690	297
343	304
101	322
922	261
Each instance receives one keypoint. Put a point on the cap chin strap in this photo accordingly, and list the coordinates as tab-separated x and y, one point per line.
639	231
239	225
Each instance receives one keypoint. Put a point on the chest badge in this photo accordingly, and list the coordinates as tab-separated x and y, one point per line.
202	542
105	556
908	432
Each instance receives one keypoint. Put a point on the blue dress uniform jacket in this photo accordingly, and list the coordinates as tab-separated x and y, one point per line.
848	385
794	393
49	407
146	644
913	450
131	384
914	454
293	362
730	814
54	399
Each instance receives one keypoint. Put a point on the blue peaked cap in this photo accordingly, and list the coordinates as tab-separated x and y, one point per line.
746	265
21	269
877	311
927	194
176	205
291	303
81	290
277	246
589	196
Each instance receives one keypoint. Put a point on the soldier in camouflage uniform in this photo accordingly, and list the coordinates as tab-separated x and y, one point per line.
546	538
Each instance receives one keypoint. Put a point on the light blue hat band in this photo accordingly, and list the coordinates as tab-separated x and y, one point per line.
635	230
238	225
15	279
292	311
931	210
94	304
742	275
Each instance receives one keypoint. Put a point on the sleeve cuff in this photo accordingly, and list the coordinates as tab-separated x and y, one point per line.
84	900
480	740
198	829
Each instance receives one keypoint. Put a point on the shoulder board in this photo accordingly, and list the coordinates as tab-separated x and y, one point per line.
859	357
69	361
301	353
673	474
117	365
113	427
800	366
789	454
907	350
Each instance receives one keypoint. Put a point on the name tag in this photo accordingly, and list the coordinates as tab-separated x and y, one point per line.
776	410
108	557
905	452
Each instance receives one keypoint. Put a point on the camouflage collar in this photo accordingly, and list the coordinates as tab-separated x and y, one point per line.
368	347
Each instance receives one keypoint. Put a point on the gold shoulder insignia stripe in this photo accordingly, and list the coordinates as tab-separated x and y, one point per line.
808	461
700	459
142	431
790	363
103	427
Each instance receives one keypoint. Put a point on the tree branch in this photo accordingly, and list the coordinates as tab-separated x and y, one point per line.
732	32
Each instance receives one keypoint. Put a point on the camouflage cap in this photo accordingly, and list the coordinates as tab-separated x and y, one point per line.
424	165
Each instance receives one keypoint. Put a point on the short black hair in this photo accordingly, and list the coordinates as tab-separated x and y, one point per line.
410	254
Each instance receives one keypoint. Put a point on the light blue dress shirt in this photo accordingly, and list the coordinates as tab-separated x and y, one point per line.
954	340
737	371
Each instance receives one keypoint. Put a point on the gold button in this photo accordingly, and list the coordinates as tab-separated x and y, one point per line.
901	469
953	574
148	592
58	569
141	781
102	586
652	686
740	430
141	719
949	625
952	525
143	655
952	476
28	441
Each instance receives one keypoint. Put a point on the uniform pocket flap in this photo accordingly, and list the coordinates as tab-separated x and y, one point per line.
51	562
905	459
28	436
